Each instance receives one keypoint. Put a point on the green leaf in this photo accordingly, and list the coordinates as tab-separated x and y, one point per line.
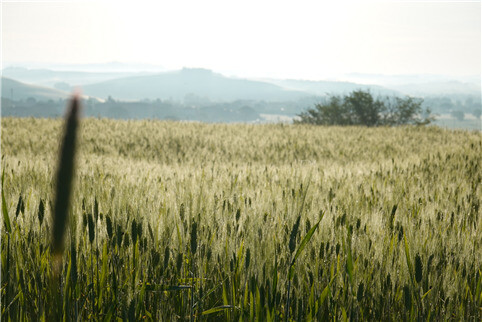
6	219
300	249
105	262
349	257
430	290
217	309
225	295
323	296
343	313
312	295
251	307
258	303
407	256
67	286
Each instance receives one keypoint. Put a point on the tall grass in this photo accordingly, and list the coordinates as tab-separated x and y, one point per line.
193	221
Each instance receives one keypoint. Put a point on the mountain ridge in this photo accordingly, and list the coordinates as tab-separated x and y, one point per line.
15	90
206	85
190	81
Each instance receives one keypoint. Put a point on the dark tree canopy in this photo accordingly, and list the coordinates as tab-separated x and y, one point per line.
361	108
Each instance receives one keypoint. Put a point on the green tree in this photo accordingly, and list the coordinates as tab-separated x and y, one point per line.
361	108
333	112
364	108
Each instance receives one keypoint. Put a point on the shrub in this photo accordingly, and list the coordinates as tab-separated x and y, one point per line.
361	108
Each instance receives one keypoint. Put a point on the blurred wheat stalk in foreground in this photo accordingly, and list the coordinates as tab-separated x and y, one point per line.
63	188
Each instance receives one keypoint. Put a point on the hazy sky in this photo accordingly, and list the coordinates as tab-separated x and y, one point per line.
296	39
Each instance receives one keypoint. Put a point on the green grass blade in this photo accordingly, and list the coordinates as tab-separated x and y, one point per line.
302	246
407	256
6	219
349	257
427	293
217	309
323	296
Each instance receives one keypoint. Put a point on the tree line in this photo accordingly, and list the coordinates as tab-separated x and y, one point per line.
362	108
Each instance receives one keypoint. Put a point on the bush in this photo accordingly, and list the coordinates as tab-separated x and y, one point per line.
361	108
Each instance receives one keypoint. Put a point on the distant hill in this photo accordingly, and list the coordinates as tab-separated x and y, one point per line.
323	88
140	81
108	67
422	84
15	90
198	82
435	88
53	78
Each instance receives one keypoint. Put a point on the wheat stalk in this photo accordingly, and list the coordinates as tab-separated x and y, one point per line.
65	174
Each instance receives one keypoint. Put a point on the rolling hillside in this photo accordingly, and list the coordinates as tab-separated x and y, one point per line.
51	78
198	82
322	88
15	90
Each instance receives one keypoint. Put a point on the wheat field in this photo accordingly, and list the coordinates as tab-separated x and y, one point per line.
177	221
